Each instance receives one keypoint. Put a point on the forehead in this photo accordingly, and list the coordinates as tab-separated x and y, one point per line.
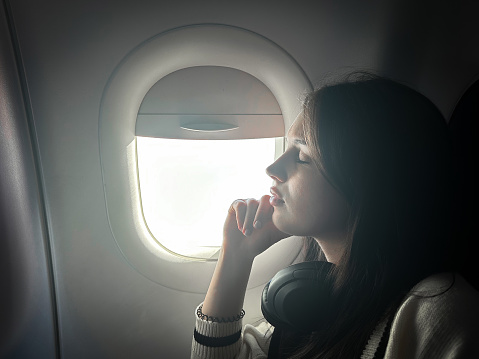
296	130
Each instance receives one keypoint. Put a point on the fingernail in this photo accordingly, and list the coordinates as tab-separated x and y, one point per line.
247	232
257	224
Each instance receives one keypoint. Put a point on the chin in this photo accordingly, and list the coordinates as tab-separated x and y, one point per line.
284	225
293	226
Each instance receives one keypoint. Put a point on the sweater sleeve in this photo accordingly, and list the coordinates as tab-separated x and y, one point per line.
216	340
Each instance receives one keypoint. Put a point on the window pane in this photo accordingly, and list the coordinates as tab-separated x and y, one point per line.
187	186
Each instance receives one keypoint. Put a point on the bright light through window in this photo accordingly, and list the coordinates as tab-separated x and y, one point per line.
187	187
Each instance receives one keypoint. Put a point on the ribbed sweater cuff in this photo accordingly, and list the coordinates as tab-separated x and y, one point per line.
216	330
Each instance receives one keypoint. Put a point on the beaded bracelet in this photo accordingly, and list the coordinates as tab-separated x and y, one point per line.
202	316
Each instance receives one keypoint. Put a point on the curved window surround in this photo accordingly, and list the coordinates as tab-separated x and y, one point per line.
197	45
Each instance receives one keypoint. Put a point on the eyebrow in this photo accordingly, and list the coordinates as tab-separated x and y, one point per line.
297	141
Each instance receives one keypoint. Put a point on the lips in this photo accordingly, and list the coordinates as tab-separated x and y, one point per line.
275	199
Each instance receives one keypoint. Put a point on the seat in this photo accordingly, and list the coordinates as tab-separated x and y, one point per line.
463	127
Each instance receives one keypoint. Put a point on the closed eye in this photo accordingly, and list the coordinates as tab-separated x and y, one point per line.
302	159
295	146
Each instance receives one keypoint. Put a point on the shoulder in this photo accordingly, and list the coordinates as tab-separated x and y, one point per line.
437	319
447	294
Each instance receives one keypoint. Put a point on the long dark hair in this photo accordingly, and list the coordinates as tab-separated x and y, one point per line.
386	149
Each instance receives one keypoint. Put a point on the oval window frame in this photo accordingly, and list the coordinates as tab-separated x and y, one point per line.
194	45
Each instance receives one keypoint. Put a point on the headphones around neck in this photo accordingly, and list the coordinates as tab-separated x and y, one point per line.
298	297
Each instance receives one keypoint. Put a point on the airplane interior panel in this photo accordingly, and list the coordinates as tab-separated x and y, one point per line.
82	273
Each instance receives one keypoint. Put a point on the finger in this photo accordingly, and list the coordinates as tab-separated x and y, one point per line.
252	206
263	213
239	209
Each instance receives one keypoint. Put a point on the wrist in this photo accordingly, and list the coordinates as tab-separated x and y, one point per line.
231	319
235	257
227	289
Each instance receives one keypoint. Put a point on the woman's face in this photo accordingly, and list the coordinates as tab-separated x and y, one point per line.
304	202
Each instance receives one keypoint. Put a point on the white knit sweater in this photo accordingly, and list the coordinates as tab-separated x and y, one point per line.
436	320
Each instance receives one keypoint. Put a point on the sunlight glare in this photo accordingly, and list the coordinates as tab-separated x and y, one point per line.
187	186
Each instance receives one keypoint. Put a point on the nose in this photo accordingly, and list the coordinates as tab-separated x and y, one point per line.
276	170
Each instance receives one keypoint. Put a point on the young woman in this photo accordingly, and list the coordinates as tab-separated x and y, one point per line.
366	179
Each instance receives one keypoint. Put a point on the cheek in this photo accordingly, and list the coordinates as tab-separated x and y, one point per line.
313	214
328	212
315	209
300	215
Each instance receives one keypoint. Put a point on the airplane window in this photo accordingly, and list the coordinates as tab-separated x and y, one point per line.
204	136
187	187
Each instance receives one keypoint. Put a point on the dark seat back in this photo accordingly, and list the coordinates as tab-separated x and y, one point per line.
465	137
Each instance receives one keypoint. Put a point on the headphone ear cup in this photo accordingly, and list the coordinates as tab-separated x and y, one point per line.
267	307
297	297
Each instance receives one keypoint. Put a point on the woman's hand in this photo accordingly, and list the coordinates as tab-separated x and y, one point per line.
247	232
248	229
